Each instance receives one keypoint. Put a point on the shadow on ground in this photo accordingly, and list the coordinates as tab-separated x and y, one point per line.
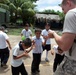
3	70
44	63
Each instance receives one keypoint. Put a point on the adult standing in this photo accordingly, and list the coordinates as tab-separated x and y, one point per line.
4	51
66	41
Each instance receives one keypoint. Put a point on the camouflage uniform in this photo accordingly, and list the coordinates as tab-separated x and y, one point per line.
67	67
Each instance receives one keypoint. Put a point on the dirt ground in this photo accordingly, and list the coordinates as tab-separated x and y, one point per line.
14	39
45	68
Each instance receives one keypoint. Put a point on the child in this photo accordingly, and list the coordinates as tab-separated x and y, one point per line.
19	51
26	32
47	47
59	56
37	51
4	48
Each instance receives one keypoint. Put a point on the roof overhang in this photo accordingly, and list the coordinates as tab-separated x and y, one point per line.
48	16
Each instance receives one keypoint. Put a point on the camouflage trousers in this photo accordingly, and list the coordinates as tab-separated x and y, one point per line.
67	67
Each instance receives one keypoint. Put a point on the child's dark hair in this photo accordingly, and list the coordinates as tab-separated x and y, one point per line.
26	25
37	30
2	28
27	42
47	24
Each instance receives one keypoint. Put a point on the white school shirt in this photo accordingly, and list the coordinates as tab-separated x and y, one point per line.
38	44
3	38
45	33
56	50
15	52
26	33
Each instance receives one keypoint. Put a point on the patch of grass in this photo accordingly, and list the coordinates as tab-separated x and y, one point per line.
14	31
17	31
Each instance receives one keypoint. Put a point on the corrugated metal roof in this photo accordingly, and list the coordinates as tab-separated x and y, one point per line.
48	16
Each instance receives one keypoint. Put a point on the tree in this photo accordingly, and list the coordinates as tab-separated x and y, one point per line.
23	9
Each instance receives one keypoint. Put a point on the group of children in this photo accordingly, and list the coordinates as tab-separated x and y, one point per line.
37	44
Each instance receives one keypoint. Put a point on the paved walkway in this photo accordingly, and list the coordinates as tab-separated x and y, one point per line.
45	67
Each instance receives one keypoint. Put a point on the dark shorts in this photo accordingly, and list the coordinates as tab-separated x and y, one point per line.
47	47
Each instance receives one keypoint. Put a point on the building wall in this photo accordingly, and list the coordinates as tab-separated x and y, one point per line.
4	16
7	16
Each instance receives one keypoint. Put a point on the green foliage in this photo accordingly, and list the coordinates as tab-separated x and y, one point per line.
19	21
4	6
12	7
27	5
29	12
19	11
48	12
62	16
14	31
20	8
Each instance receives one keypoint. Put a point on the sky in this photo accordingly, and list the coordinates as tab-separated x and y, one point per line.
48	4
